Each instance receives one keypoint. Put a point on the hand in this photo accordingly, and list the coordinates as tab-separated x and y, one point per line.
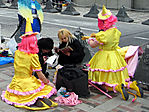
51	84
56	49
45	58
67	53
93	35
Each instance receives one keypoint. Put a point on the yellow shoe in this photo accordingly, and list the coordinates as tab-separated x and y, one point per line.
134	86
121	89
42	106
53	103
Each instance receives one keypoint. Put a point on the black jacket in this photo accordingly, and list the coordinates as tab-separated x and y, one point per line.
42	63
76	56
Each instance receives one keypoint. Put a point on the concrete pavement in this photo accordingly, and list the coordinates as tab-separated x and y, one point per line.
97	102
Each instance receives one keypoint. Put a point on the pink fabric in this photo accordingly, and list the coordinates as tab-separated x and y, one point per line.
71	100
107	84
37	70
88	65
101	43
28	103
131	58
102	70
101	83
128	86
25	93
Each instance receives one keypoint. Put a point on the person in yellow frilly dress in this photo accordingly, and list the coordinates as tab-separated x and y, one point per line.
108	67
25	89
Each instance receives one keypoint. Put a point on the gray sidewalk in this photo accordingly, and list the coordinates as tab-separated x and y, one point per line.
97	102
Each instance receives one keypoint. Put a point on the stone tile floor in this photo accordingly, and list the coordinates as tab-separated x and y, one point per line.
97	102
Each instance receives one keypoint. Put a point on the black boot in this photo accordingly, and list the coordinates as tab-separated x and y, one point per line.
121	89
38	103
47	101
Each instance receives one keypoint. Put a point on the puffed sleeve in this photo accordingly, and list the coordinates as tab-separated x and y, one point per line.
35	63
100	37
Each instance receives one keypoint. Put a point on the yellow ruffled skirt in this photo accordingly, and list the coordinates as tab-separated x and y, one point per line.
108	67
25	91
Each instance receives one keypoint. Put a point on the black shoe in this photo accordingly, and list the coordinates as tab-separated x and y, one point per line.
47	101
125	94
38	103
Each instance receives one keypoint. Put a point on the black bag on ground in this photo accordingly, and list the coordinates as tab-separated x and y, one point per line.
74	80
141	73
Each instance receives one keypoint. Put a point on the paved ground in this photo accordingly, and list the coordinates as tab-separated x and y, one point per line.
97	102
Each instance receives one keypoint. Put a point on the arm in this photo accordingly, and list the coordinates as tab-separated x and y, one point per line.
93	43
37	67
78	49
44	79
99	39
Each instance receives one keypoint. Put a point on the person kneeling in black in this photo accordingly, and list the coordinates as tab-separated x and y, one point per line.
45	46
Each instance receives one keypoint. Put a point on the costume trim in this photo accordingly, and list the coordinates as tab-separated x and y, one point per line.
37	70
107	84
28	103
101	83
102	70
26	93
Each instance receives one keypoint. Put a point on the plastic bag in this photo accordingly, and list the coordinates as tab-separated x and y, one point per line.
12	44
6	60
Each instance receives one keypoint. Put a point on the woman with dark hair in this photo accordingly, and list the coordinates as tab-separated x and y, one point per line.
45	46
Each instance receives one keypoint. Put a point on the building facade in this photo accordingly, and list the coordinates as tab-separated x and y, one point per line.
116	4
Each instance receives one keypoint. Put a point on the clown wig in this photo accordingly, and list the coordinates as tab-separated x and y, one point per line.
106	24
29	44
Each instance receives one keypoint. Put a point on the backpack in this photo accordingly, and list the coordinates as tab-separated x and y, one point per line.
74	80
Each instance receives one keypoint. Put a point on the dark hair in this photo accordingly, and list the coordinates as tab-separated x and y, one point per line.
45	43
